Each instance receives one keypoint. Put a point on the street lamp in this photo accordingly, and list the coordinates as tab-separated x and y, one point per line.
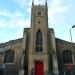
71	33
69	66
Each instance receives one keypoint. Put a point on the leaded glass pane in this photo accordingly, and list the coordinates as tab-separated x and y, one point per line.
39	42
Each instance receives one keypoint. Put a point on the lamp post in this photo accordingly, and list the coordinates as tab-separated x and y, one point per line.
71	37
71	33
69	66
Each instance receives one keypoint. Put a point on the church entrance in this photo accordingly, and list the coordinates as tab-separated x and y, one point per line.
39	68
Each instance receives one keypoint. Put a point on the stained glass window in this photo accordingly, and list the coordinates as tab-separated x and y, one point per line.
39	41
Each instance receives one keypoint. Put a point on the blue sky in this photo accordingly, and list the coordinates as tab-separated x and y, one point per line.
15	16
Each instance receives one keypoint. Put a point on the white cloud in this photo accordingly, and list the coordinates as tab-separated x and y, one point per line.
18	34
16	19
10	14
24	3
22	23
13	23
57	11
2	23
55	8
37	2
55	3
21	2
5	13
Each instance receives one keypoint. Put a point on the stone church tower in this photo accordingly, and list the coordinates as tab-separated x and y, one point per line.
39	44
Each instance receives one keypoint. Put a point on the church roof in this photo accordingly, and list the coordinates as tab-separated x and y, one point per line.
10	42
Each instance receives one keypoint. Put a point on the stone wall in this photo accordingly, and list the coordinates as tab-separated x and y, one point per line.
16	46
62	45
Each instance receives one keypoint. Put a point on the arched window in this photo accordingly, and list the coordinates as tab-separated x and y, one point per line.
9	56
67	56
39	41
39	14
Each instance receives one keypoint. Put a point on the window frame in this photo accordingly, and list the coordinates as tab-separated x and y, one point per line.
39	14
67	57
6	62
39	41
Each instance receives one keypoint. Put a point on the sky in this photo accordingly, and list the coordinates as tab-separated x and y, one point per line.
15	15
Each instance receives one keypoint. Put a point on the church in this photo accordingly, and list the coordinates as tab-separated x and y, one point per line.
39	52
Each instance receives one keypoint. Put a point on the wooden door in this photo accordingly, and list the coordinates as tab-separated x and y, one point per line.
39	68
